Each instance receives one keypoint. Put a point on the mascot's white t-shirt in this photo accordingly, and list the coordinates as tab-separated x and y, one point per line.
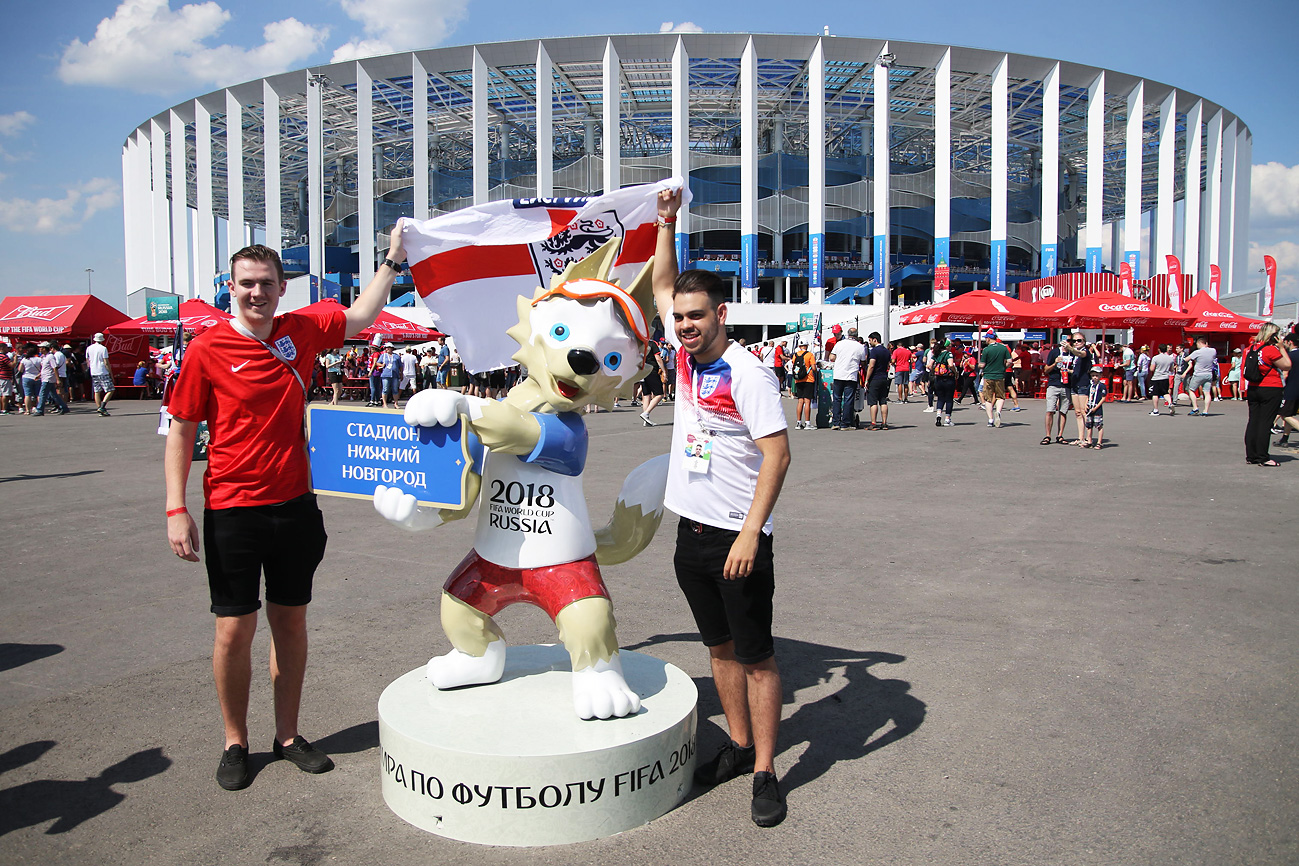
735	400
531	509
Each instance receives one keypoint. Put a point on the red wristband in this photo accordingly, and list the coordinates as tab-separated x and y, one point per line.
173	512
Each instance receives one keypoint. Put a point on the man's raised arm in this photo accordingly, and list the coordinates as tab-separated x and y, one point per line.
365	309
664	275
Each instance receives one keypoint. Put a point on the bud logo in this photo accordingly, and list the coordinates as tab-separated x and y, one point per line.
1123	308
44	314
129	345
1046	291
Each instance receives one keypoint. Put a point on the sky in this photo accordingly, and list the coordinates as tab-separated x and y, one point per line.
77	76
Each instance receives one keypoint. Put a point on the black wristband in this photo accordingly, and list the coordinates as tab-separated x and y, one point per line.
390	263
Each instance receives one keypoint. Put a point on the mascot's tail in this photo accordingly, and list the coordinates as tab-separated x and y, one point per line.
636	514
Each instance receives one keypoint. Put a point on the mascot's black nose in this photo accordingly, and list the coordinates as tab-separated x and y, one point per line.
583	362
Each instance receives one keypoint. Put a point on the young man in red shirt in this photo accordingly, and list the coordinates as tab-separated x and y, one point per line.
247	379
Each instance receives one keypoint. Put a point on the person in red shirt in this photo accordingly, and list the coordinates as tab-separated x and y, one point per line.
1264	397
248	379
778	364
836	334
902	372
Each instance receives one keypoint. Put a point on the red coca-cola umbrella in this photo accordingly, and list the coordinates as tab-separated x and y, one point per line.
1112	310
984	308
1213	317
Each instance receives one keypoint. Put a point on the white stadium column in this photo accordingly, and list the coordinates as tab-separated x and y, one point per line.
816	175
160	215
612	151
315	178
419	135
1244	280
1227	211
943	177
1210	249
1162	230
179	209
364	174
1132	180
681	145
271	157
748	174
1095	206
130	245
1000	170
205	260
480	155
880	176
545	123
1050	222
235	236
1191	222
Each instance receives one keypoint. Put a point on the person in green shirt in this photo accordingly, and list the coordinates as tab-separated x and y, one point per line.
992	363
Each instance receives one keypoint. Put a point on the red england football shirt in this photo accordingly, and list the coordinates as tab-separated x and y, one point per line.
253	406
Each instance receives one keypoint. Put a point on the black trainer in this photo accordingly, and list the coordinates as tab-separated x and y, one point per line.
768	803
305	756
232	773
730	761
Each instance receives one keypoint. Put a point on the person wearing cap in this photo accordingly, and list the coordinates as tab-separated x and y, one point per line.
804	373
836	334
101	374
389	375
246	377
1143	371
992	364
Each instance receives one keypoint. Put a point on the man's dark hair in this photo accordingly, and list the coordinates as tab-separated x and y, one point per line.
258	253
693	281
875	335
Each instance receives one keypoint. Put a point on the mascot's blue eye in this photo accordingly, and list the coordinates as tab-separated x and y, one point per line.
559	332
612	360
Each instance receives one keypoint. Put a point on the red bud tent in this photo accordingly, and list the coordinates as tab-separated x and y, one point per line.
39	317
197	316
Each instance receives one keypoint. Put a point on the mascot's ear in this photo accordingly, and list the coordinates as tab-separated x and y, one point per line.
596	266
641	290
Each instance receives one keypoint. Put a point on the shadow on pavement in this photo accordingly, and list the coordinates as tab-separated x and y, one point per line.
26	477
15	655
69	803
358	738
844	725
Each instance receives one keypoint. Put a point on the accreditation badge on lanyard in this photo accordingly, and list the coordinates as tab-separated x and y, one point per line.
699	441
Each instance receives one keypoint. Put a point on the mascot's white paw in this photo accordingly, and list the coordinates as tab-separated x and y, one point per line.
401	508
435	407
457	669
600	692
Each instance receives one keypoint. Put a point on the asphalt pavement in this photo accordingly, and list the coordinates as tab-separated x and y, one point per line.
993	652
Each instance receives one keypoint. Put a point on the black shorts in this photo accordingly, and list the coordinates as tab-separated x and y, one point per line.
496	379
1159	388
805	390
877	392
286	541
736	610
652	385
335	378
1290	407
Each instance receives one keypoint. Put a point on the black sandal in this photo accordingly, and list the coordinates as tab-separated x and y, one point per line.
1046	440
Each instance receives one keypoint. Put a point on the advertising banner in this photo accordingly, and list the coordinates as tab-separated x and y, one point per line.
881	259
748	261
1125	279
816	261
1049	264
163	309
353	450
998	269
1269	291
1215	281
1133	258
1174	283
1093	260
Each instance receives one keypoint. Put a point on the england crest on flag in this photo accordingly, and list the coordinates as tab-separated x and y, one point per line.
284	345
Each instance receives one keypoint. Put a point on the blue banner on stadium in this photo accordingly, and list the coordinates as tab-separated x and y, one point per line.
816	261
881	259
1048	260
1133	258
1093	260
998	269
748	261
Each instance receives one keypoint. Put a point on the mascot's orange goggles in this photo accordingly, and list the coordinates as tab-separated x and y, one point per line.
589	289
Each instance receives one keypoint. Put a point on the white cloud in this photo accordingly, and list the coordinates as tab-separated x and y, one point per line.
399	25
683	27
14	123
148	47
1274	195
1286	254
63	215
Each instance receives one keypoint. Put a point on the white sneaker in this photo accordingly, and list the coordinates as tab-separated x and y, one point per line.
947	422
644	416
1154	412
930	409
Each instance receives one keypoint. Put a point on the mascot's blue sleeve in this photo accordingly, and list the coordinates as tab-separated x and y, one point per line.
562	445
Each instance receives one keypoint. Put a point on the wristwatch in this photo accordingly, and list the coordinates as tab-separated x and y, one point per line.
390	263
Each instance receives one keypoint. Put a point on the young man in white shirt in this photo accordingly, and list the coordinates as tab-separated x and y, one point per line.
730	452
101	374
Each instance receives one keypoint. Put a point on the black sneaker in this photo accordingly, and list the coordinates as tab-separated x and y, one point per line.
307	757
768	803
730	761
232	773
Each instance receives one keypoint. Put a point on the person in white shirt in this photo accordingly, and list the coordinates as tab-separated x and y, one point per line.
846	358
101	375
730	453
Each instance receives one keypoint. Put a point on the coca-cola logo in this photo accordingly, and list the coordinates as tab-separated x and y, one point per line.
1123	308
1231	325
44	314
128	345
1216	315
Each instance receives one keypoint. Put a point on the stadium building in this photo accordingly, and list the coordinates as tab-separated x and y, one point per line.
824	169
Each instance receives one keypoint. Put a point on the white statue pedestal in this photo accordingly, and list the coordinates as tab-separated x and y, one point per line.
512	764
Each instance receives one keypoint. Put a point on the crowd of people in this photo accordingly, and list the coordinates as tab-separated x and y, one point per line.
44	377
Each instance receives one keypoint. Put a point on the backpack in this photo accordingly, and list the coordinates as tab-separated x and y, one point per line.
800	366
941	369
1253	371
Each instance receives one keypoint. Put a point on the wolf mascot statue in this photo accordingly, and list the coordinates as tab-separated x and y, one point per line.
582	341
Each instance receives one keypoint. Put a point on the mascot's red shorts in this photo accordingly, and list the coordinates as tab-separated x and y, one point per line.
489	587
